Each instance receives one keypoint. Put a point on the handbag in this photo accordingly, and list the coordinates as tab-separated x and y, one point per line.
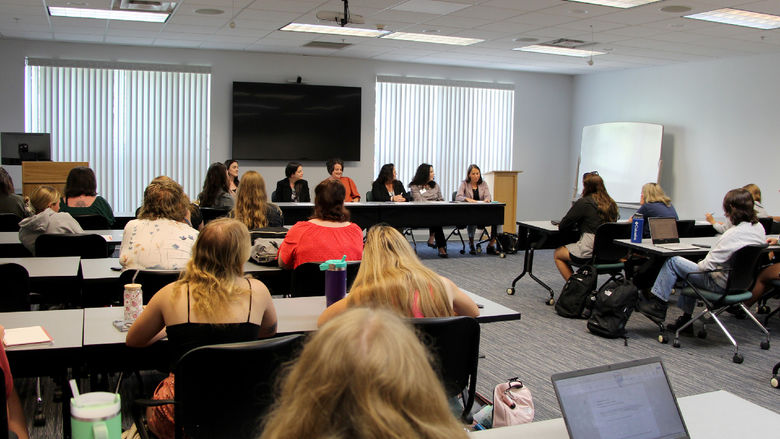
512	404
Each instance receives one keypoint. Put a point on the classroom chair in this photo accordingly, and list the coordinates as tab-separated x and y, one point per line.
87	246
9	222
454	344
224	390
608	257
212	213
92	222
741	275
308	280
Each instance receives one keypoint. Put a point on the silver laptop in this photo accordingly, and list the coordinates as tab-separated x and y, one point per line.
663	232
625	400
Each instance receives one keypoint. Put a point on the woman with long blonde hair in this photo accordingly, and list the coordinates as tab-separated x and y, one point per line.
252	207
391	276
654	203
363	375
211	303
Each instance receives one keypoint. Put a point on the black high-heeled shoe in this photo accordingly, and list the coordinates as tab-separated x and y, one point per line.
431	245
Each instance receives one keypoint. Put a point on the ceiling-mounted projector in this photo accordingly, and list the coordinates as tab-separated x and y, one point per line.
338	17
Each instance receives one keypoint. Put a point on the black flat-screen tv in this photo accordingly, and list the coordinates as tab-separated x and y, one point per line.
16	148
295	122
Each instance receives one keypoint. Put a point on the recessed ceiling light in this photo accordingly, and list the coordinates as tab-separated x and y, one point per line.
525	39
552	50
739	17
675	9
437	39
616	3
334	30
431	31
209	11
108	14
579	11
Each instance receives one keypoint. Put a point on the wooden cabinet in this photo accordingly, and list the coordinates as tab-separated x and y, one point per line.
54	174
503	186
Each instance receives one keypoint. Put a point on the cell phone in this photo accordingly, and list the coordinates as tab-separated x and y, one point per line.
480	306
116	268
555	222
121	325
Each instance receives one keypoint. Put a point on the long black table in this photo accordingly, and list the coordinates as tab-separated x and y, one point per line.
415	214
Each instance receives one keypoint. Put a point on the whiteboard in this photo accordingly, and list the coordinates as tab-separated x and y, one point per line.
626	155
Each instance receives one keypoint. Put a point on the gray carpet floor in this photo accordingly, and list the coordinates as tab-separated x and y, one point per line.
542	343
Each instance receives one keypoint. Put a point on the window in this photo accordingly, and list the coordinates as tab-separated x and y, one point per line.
447	124
131	122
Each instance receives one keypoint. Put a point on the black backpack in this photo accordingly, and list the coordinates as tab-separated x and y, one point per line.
574	295
508	242
615	302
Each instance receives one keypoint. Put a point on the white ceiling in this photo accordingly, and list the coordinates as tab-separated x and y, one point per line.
637	37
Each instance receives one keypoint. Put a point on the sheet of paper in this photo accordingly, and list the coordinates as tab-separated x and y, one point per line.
28	335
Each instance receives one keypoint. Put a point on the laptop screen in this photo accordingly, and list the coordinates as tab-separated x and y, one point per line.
625	400
663	230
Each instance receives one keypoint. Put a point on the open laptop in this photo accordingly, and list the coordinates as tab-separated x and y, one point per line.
624	400
663	231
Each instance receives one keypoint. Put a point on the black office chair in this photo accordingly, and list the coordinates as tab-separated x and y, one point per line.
767	222
369	195
87	246
151	281
454	344
211	213
225	390
308	280
92	222
763	308
456	231
607	256
9	222
273	197
685	228
741	275
16	288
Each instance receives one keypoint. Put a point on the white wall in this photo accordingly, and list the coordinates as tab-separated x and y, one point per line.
542	114
721	125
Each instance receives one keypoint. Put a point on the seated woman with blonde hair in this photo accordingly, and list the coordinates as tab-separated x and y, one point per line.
252	207
391	276
211	303
367	376
45	201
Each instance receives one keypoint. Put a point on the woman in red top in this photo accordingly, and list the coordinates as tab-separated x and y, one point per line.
328	234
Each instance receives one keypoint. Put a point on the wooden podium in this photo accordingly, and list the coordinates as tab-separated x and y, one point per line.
54	174
503	186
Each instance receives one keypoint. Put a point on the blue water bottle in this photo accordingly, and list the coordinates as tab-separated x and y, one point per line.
335	279
637	228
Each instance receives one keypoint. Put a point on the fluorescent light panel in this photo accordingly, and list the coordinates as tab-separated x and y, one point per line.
625	4
552	50
108	14
739	17
429	38
334	30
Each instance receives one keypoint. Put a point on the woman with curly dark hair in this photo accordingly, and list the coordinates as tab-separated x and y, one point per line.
215	191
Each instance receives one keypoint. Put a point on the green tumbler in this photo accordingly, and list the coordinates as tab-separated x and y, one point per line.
96	415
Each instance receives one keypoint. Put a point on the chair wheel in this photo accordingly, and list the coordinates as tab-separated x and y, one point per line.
463	252
510	291
737	358
676	343
479	248
775	382
502	255
763	309
702	334
765	344
663	339
39	419
550	301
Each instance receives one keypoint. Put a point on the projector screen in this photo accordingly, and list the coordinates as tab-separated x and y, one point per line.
626	155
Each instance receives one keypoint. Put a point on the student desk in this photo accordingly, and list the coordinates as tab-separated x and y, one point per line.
713	415
647	247
47	268
411	214
100	269
11	246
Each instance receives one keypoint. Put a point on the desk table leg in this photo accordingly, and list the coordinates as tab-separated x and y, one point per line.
528	267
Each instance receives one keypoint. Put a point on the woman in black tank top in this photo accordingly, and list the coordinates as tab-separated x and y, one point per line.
210	304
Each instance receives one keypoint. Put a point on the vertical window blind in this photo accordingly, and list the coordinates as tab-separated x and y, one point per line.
447	124
131	122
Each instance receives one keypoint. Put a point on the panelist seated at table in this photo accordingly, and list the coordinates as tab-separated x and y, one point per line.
9	201
81	196
232	176
211	303
252	207
474	190
17	424
292	188
386	187
738	207
391	276
594	208
45	201
161	237
328	234
654	203
424	188
370	377
335	168
216	193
